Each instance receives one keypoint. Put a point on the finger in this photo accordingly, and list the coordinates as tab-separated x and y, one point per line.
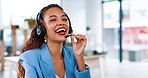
81	38
78	38
80	35
73	39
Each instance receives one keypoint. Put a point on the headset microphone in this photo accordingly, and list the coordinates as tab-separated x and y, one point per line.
67	35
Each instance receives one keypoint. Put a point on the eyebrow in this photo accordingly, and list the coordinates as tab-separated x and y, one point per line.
52	16
63	16
56	16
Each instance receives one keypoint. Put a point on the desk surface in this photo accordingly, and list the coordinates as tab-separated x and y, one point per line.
13	59
94	56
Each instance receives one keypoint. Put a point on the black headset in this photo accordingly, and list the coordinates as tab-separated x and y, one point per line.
41	31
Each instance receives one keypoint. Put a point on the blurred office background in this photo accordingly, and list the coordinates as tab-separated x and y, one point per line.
116	29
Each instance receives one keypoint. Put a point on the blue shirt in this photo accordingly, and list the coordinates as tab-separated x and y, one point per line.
38	63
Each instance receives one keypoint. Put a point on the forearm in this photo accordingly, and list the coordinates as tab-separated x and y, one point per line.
78	49
80	62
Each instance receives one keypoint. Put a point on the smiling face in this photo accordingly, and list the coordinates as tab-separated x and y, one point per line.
56	24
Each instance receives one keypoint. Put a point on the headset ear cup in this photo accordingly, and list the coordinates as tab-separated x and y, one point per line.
41	31
38	31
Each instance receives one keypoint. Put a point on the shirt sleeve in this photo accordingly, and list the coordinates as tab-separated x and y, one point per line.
82	74
30	71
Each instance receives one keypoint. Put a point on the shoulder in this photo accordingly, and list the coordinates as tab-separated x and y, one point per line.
29	55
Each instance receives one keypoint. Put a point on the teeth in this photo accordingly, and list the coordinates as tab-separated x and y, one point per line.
60	30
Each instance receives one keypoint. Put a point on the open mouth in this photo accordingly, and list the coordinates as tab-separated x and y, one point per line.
61	31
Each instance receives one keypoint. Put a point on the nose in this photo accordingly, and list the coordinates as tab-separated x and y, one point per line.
61	22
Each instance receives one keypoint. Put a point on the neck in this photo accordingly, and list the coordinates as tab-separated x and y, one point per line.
55	50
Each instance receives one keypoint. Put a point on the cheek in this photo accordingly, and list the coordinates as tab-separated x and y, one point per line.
50	32
50	29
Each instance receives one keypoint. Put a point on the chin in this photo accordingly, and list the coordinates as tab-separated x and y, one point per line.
62	40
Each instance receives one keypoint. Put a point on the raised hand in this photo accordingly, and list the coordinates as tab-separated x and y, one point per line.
78	43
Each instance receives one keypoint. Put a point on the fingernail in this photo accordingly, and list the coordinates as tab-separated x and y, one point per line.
75	40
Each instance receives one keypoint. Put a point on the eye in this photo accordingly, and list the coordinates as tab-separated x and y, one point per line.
64	19
52	20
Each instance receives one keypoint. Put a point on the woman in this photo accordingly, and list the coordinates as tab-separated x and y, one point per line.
45	54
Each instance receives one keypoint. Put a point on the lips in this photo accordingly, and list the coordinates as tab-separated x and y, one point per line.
61	31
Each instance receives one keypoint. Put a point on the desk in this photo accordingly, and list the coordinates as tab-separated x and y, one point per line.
12	59
96	61
94	56
11	62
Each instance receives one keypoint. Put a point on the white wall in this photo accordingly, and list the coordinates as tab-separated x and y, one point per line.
94	21
76	11
86	13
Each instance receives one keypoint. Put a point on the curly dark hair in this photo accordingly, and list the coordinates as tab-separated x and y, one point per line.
34	41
